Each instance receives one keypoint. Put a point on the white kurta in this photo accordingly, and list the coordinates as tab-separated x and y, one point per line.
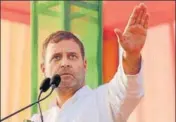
111	102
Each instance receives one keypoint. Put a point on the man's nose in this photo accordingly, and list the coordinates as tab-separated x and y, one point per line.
65	63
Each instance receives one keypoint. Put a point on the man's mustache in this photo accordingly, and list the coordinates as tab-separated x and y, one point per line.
65	72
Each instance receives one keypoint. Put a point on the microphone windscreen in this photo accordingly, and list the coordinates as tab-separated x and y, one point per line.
55	80
45	85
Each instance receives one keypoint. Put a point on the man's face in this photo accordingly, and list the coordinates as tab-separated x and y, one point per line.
64	58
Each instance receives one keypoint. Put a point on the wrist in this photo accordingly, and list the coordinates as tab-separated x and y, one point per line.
131	56
131	63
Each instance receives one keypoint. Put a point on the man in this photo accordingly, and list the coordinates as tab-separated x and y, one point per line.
63	54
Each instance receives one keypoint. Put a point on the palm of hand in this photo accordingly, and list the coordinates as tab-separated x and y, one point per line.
134	36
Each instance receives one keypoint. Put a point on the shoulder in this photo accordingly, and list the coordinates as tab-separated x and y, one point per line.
101	91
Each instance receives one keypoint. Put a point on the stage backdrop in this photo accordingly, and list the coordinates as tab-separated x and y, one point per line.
17	54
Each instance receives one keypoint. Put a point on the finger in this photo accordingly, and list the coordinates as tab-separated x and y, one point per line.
119	34
141	12
143	19
133	16
146	21
142	5
139	16
143	16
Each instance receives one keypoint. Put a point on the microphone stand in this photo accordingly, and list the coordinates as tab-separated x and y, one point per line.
41	116
27	106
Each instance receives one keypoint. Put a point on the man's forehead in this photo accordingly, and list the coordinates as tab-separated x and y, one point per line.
64	46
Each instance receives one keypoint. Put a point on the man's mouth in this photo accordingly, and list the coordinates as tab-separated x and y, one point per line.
66	74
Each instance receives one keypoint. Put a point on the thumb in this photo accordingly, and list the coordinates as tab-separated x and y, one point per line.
119	35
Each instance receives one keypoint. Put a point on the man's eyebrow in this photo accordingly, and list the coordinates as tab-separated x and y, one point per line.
73	52
56	54
60	53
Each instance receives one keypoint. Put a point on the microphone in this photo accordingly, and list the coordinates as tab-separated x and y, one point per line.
44	87
55	81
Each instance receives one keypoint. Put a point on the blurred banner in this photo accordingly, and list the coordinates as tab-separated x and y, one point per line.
15	69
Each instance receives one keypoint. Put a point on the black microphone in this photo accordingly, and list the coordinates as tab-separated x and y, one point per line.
44	87
55	81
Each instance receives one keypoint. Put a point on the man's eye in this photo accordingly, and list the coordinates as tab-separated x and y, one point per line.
72	57
57	58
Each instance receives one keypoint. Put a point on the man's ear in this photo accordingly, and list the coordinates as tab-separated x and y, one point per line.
85	64
42	66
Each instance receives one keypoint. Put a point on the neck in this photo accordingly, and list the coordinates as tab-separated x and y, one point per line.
64	95
63	98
